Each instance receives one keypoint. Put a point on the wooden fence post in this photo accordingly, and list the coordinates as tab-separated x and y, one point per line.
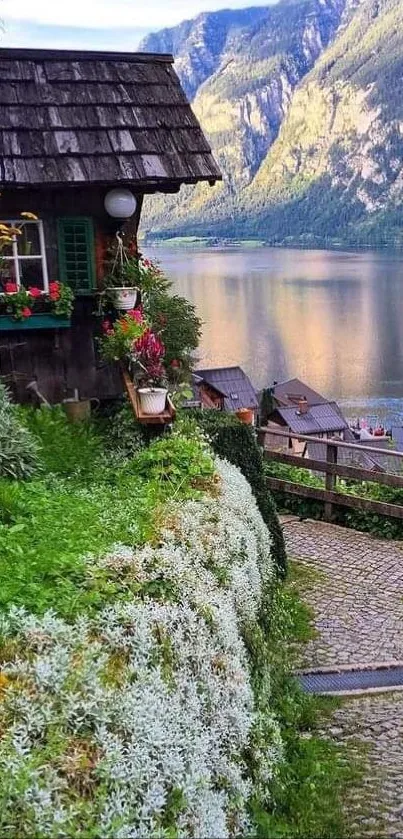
331	457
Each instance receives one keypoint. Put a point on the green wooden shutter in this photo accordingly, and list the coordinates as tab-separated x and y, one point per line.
77	253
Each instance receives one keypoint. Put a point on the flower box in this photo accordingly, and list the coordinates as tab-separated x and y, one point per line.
39	321
164	418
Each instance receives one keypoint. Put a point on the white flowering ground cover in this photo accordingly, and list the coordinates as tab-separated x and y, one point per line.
149	718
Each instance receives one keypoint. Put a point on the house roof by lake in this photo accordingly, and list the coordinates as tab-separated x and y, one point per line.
318	419
292	391
74	117
233	384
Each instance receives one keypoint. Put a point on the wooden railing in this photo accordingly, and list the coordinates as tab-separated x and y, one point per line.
333	470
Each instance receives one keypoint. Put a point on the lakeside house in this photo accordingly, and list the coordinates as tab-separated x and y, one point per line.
224	389
75	127
299	409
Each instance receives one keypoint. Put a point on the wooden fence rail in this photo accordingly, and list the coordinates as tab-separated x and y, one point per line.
333	470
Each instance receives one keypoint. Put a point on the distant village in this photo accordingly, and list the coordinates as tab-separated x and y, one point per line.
294	408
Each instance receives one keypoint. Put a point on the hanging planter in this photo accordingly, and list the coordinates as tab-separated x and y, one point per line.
125	298
153	400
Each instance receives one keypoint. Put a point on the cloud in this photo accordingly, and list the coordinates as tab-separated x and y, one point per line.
20	34
105	14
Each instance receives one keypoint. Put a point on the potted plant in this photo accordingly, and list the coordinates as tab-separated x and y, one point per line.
20	304
147	361
117	341
121	281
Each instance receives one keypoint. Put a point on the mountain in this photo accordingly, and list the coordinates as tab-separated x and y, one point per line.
303	107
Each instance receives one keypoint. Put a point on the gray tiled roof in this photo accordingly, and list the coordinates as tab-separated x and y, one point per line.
233	384
98	117
317	420
289	392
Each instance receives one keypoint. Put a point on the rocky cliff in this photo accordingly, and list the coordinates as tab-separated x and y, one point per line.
303	107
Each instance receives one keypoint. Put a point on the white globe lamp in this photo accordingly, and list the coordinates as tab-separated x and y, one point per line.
120	203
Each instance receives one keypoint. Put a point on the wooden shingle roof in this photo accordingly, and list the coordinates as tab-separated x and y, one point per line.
98	117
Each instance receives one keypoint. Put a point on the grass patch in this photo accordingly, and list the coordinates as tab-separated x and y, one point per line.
82	502
310	788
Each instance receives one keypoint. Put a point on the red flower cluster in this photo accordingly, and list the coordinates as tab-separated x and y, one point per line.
107	327
54	291
35	292
10	288
150	351
26	312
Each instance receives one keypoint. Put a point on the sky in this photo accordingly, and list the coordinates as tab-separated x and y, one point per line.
98	24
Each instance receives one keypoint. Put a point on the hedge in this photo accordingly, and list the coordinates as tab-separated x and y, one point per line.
236	442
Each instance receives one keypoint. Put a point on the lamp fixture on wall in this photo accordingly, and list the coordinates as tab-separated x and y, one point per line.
120	203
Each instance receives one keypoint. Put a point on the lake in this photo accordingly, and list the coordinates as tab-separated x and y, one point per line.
334	319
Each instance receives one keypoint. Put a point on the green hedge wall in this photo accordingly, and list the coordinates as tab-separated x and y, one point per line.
237	443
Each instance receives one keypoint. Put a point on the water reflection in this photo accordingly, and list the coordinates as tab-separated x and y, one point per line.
333	319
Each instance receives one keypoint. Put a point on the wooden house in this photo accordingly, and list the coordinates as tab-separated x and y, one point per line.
299	409
73	126
224	389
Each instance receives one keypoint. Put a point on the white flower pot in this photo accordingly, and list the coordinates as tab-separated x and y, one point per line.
152	399
126	298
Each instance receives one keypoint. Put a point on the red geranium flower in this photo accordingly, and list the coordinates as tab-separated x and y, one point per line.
175	363
34	292
26	312
10	288
107	327
54	291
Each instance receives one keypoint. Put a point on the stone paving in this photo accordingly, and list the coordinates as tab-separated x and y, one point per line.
357	594
354	584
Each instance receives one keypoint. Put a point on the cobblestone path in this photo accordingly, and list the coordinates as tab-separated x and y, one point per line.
354	583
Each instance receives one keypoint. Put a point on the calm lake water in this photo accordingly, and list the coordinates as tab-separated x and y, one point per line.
333	319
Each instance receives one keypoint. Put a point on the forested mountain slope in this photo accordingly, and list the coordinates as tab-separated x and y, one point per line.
304	111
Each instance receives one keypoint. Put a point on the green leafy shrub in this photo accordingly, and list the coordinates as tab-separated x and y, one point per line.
124	437
18	449
68	450
237	443
177	461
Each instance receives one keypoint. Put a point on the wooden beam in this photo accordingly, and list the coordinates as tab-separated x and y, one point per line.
352	473
330	480
355	502
338	443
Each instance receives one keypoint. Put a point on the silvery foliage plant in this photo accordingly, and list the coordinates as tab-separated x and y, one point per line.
135	722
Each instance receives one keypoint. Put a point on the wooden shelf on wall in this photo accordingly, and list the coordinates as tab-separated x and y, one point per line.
165	418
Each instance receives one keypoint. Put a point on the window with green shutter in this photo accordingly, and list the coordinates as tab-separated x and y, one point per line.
77	253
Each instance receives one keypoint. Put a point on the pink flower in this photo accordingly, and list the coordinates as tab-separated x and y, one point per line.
26	312
175	363
34	292
136	314
106	327
10	288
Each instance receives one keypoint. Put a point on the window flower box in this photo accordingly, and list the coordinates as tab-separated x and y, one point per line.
36	321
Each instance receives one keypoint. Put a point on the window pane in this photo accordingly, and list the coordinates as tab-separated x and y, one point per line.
28	241
7	271
31	273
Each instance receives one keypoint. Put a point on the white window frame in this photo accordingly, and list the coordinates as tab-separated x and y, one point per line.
16	257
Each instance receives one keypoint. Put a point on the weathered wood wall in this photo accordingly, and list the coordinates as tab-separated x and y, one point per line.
65	359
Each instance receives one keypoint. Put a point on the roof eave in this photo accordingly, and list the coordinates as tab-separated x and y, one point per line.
148	185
